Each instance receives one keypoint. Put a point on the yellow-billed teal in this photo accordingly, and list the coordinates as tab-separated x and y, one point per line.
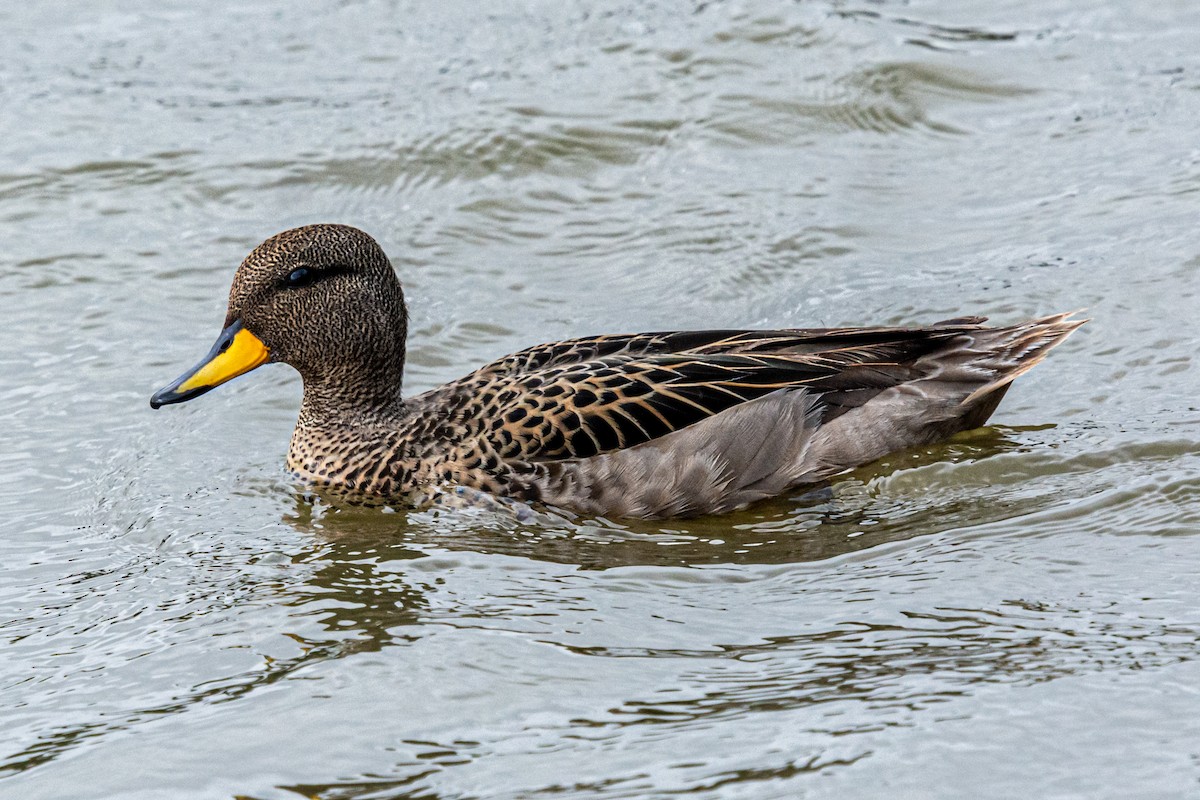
635	425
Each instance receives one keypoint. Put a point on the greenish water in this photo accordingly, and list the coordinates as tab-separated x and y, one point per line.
1012	614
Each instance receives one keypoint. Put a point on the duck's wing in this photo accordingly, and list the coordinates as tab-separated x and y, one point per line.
620	400
790	341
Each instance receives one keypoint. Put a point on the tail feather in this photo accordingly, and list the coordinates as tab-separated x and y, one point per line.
1019	348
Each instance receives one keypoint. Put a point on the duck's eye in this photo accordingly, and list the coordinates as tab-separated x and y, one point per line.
302	276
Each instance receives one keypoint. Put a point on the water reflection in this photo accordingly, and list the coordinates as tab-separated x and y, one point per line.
877	665
342	598
357	590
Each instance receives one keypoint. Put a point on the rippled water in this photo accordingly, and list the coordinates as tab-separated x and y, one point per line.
1011	614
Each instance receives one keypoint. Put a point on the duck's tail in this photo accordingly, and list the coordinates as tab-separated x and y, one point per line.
1012	351
960	386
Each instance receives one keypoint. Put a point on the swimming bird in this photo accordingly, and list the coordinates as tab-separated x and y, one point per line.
649	425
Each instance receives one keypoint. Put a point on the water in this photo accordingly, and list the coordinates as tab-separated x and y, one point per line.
1009	614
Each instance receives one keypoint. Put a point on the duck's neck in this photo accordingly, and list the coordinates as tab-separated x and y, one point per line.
346	419
350	394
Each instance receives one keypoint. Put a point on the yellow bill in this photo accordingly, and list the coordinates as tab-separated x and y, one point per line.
236	352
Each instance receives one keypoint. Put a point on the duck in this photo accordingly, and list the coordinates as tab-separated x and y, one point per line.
642	425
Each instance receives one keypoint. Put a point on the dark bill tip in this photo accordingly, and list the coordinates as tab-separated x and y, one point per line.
171	394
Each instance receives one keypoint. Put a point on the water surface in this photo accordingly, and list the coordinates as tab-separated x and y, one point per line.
1009	614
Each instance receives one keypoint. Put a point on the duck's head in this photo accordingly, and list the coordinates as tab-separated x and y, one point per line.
322	298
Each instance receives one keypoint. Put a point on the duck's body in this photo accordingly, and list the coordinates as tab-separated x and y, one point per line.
642	425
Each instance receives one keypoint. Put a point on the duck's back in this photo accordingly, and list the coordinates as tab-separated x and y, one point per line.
684	423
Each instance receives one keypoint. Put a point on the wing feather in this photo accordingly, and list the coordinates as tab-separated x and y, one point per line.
583	397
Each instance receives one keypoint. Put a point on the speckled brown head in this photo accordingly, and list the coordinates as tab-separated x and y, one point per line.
322	298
